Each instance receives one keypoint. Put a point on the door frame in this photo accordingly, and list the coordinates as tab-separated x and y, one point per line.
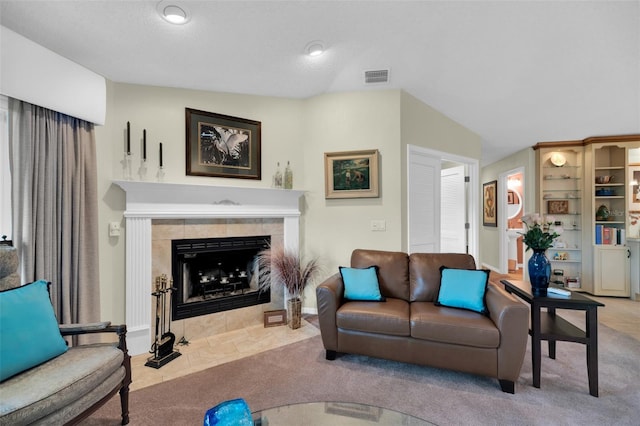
503	221
473	187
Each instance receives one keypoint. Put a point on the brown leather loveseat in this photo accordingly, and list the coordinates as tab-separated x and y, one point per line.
409	327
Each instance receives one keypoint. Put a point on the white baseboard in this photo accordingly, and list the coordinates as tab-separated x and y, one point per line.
491	268
311	311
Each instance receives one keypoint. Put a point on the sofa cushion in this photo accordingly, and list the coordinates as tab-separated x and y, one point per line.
463	288
424	272
393	271
29	333
57	383
361	283
455	326
389	317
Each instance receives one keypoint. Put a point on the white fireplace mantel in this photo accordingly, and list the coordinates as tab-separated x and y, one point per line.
174	200
152	200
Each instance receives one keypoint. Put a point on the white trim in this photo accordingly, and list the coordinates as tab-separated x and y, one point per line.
37	75
503	220
474	185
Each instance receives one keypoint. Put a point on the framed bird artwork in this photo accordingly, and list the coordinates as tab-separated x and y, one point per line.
222	146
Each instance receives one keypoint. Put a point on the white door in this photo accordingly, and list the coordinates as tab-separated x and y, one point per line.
453	211
424	202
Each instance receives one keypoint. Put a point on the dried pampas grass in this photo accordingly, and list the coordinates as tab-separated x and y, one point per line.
284	268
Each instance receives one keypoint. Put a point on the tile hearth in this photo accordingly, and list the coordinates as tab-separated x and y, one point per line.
208	352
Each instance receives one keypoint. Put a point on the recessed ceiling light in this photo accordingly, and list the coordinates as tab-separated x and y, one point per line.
173	12
315	48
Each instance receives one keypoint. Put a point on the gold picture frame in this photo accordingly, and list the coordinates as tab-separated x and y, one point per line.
558	207
489	206
634	187
351	174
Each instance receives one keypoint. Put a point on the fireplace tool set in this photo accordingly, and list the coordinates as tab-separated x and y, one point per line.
162	348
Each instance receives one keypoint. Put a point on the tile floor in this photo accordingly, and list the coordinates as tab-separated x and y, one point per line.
620	314
208	352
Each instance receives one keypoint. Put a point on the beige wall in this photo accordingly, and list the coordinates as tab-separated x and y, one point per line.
426	127
162	112
344	122
300	131
489	236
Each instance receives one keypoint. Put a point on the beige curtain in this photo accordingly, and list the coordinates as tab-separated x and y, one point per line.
55	210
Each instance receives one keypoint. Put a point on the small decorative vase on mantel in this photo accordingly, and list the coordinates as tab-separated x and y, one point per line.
539	272
294	308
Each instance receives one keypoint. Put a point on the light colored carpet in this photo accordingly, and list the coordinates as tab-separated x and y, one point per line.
299	373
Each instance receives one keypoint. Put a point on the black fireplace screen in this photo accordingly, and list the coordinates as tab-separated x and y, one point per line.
216	274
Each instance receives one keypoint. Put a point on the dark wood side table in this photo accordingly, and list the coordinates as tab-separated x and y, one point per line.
548	326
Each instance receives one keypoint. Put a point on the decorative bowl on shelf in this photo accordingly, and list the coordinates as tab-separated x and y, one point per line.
605	192
603	179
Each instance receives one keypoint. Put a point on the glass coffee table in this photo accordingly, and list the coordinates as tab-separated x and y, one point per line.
333	413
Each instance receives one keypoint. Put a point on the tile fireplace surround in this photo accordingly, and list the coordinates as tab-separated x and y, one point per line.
157	212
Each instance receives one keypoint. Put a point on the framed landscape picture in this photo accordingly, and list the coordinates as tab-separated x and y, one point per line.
489	207
351	174
222	146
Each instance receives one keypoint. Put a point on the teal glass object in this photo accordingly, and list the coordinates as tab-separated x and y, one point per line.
234	412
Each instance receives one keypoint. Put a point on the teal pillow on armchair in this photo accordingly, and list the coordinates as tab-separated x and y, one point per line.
29	333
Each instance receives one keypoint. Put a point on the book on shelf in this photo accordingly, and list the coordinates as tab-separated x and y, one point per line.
607	235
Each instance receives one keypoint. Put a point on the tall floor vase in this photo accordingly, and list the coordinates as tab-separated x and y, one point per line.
539	273
295	312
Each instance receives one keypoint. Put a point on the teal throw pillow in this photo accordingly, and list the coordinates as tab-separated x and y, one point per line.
29	333
361	283
463	288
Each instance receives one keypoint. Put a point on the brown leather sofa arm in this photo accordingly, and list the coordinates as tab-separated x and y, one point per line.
512	319
329	298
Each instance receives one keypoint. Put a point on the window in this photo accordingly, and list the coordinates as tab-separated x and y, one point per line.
5	173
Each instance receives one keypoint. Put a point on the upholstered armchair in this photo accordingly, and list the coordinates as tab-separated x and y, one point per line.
43	381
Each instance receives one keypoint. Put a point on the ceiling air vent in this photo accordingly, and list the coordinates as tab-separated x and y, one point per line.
376	76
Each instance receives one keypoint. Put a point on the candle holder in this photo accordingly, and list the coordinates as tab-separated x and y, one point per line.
142	170
160	174
126	166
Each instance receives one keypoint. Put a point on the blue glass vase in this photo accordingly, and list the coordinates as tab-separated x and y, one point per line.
539	273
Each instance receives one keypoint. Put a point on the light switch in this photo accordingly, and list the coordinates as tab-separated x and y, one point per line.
378	225
114	229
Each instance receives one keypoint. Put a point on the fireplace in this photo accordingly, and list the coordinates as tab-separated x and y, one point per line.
155	201
216	274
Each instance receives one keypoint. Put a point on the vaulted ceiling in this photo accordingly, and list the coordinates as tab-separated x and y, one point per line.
514	72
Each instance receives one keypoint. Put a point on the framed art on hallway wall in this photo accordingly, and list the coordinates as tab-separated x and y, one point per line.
489	207
222	146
